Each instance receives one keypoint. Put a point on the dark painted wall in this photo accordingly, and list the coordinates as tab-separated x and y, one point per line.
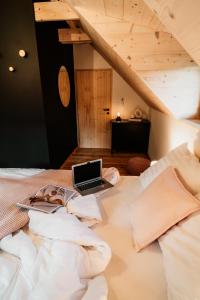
22	112
34	127
61	121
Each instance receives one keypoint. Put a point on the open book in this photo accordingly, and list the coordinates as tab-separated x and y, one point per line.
48	199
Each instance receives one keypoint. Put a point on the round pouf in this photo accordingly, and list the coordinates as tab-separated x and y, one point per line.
137	165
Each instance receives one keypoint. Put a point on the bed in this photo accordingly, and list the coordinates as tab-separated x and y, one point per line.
156	272
128	274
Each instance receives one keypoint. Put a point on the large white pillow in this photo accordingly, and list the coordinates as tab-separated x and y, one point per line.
184	161
180	249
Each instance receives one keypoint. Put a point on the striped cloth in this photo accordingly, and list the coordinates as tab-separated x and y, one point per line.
14	190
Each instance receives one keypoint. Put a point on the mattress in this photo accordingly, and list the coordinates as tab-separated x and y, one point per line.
130	275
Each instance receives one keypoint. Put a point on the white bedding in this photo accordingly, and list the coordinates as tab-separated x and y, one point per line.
130	275
181	255
56	257
39	264
57	264
172	272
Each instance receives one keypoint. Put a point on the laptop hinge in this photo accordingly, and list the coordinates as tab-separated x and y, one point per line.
88	181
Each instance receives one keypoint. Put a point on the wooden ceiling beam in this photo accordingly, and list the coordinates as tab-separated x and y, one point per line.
73	36
73	24
54	11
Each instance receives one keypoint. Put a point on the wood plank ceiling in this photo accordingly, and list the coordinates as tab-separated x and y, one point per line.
182	19
132	38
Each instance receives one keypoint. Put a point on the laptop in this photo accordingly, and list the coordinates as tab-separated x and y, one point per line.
87	177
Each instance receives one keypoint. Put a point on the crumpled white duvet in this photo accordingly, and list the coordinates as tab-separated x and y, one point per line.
181	255
58	258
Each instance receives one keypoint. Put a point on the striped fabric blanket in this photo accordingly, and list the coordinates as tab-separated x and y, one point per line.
13	190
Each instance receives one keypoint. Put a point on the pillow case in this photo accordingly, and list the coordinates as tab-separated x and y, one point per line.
161	205
180	249
184	161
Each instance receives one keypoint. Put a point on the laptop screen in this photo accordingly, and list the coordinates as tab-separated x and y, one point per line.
87	171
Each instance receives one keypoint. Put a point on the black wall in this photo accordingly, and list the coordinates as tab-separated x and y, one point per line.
61	122
35	129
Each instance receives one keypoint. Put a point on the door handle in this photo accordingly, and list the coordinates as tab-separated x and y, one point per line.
106	109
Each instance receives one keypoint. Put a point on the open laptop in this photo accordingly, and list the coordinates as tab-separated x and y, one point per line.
87	177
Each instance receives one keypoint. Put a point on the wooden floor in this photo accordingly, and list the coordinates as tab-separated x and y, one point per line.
117	160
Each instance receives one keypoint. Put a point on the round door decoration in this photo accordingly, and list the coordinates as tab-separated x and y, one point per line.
64	86
138	113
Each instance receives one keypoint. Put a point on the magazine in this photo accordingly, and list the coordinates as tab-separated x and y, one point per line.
48	199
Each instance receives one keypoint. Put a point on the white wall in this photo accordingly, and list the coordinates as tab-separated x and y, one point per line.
167	133
179	89
124	99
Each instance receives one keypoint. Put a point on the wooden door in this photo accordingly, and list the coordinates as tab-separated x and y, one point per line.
93	91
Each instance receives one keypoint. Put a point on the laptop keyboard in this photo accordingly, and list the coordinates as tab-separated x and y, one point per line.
90	185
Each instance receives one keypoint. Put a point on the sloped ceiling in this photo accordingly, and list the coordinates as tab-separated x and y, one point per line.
132	38
182	19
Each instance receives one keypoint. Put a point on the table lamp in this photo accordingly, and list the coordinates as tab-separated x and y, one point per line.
118	117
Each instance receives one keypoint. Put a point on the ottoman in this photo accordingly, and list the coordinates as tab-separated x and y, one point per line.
137	164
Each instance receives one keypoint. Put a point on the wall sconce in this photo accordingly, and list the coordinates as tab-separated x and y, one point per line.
118	119
11	69
22	53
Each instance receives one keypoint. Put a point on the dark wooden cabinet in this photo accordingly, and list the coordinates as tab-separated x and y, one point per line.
36	130
130	136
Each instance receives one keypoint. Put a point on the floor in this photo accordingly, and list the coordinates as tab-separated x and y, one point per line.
117	160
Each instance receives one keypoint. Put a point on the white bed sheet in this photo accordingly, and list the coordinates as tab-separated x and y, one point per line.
130	275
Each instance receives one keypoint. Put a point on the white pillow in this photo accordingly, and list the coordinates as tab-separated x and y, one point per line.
180	249
184	161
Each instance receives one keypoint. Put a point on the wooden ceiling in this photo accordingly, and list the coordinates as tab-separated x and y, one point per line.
182	20
148	51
